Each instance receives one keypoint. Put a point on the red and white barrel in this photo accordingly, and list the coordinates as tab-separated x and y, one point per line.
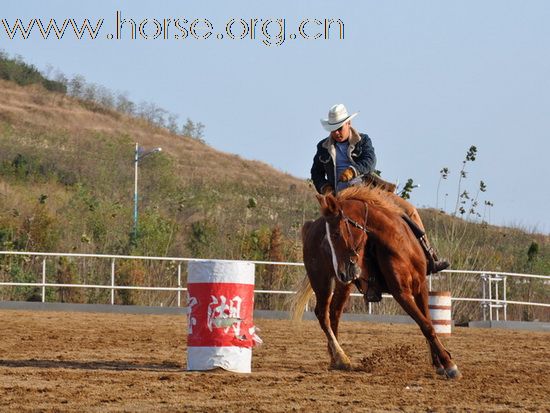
440	311
221	332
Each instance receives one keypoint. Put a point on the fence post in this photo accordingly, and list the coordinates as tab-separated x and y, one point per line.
497	302
484	303
179	284
44	280
490	298
112	281
505	303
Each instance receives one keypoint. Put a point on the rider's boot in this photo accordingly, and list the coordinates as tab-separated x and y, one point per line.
371	290
374	291
434	263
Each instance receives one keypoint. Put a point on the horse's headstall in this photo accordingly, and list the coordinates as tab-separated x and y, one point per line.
355	223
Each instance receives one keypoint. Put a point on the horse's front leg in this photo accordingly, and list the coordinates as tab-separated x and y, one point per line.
338	359
339	300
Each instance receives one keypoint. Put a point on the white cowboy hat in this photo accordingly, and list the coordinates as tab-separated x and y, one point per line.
337	116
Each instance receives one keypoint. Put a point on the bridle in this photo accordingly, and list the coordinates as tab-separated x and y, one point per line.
357	225
355	248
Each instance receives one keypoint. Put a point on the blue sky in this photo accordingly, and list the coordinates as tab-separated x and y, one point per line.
430	79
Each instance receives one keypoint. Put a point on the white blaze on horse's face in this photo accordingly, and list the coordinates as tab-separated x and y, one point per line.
334	259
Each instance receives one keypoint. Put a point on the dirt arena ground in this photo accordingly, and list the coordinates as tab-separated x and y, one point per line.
53	361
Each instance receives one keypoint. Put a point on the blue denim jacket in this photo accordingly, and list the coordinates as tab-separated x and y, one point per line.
360	152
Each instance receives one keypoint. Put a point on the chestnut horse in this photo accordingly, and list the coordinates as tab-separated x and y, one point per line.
362	234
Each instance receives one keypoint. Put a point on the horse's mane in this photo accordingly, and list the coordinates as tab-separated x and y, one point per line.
375	197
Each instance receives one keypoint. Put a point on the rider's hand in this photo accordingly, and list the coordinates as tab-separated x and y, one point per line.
327	189
347	175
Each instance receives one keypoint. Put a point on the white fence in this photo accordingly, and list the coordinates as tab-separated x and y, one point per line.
493	301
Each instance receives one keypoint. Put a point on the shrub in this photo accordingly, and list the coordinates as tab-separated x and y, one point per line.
129	273
67	273
15	70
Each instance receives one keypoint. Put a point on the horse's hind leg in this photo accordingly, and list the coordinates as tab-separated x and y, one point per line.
422	302
405	298
338	358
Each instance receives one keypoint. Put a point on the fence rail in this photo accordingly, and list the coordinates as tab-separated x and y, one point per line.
494	299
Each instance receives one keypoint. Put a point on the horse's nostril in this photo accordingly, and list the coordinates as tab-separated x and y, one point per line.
354	270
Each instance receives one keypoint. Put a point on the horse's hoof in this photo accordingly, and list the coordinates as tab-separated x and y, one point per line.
440	371
453	373
341	365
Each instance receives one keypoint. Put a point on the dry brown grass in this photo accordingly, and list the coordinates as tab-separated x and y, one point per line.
35	108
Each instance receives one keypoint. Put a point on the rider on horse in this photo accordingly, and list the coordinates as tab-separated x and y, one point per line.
346	157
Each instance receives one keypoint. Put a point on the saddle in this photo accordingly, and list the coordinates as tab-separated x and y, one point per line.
375	180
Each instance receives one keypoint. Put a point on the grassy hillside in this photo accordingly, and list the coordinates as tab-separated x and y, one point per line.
66	184
82	160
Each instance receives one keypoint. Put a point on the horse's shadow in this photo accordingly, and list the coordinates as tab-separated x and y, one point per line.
113	365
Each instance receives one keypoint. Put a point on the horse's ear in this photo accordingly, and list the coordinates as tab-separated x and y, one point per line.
329	205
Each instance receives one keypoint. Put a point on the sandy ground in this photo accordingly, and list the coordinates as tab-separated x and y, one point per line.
53	361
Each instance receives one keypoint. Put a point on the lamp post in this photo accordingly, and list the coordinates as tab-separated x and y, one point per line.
139	155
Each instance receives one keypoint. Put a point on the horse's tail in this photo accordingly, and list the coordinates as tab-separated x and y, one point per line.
304	290
300	300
